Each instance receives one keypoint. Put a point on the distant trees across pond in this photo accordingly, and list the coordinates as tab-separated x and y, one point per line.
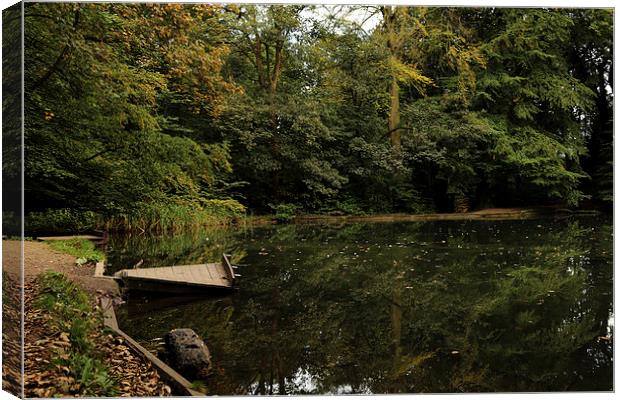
149	116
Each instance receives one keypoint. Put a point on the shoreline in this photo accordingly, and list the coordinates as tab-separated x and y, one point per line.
484	214
126	364
508	213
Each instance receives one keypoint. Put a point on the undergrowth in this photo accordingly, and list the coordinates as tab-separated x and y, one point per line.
143	217
80	248
72	314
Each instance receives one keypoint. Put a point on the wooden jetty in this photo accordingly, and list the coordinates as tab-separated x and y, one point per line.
93	235
181	279
69	237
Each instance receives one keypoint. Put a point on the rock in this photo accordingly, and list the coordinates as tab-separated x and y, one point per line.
187	353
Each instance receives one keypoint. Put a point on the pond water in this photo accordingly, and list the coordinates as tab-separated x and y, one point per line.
446	306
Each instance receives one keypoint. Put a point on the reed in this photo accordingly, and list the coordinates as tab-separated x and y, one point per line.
175	217
157	217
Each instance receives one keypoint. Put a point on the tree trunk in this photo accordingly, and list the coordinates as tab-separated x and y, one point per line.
394	117
389	21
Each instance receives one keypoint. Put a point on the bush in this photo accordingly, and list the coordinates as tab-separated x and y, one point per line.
63	220
284	212
224	208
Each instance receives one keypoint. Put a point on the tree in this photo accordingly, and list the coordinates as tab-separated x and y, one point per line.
279	128
591	61
94	139
402	29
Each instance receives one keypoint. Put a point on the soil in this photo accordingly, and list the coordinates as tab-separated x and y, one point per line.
42	342
39	257
44	378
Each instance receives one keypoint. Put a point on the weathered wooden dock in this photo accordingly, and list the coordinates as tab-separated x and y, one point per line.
180	279
70	237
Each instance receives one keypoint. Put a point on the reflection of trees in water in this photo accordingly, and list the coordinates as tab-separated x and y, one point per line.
125	251
326	311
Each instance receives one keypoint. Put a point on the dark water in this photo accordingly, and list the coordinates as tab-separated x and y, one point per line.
449	306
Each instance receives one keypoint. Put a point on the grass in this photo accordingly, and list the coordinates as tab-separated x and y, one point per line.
71	312
174	217
158	217
80	248
199	386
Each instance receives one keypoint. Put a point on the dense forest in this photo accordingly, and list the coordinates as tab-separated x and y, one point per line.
150	116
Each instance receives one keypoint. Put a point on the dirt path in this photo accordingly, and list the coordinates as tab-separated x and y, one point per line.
43	342
39	257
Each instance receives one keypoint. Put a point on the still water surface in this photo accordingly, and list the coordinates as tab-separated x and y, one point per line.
446	306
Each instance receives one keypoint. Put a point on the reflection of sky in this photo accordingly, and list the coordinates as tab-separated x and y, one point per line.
304	382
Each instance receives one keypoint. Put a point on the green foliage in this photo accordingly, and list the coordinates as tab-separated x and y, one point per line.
349	206
167	116
284	212
80	248
91	374
72	312
200	386
224	208
58	294
94	139
61	220
174	216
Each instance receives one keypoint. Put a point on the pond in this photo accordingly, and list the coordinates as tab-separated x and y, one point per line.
415	307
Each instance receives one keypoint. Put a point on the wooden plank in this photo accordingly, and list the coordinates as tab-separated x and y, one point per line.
193	275
176	381
109	317
209	271
99	269
212	275
230	273
69	237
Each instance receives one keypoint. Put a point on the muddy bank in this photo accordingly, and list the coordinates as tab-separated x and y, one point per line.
486	214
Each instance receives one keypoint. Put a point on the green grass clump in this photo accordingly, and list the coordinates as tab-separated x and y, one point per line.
199	386
284	212
80	248
72	313
175	216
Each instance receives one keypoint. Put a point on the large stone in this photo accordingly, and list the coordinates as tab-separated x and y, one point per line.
187	353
